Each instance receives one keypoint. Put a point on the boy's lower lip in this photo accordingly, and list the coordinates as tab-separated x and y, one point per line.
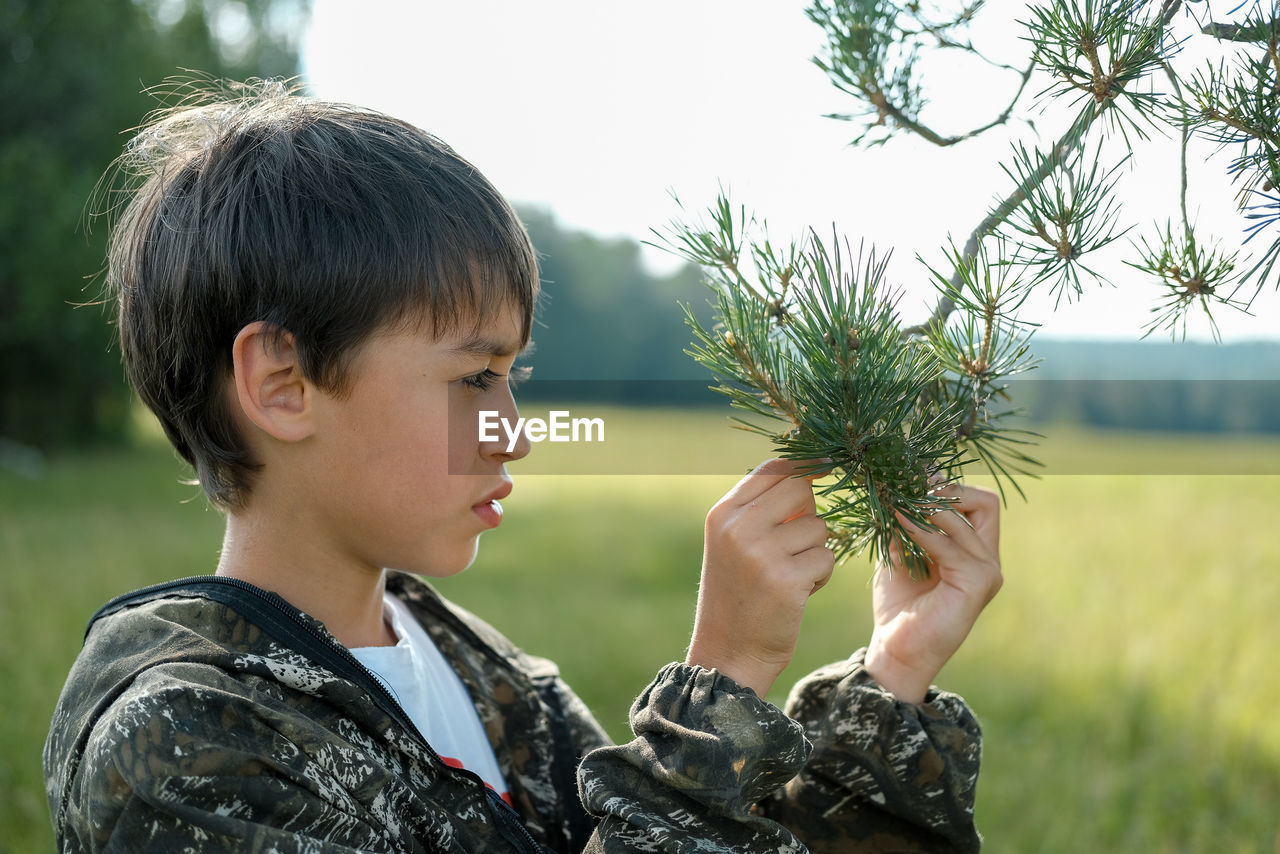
490	512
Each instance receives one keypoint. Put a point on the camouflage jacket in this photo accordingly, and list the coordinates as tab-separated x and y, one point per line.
207	715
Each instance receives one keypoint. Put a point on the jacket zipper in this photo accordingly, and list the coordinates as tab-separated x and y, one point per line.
504	813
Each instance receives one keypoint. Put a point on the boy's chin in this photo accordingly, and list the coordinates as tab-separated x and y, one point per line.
455	564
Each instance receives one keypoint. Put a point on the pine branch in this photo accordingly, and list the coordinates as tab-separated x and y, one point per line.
1237	106
1066	145
864	39
825	357
889	110
1191	276
997	217
1258	31
1185	143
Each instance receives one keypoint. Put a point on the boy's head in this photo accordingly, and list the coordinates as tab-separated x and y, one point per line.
326	221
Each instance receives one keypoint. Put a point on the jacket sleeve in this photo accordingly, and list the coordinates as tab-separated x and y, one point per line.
705	751
714	768
884	774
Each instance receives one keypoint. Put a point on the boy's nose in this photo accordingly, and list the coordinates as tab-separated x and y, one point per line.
513	442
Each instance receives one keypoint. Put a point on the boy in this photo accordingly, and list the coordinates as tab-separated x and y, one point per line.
317	301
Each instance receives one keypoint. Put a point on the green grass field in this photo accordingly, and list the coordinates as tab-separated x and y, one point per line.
1126	675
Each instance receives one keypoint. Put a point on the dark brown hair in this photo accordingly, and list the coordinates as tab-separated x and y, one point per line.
249	202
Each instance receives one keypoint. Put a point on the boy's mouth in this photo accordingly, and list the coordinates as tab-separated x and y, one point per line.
489	508
500	492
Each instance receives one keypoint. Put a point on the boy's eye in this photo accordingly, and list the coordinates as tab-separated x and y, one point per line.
486	379
482	381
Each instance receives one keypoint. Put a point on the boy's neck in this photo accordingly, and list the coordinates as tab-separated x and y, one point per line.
349	601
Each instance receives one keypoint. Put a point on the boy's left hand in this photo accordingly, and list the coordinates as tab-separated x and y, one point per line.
920	623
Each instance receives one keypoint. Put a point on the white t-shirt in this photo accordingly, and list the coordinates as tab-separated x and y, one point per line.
432	695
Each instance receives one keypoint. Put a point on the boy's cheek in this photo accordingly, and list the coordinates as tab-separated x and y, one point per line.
465	426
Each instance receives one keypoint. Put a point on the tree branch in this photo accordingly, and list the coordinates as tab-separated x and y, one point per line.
1186	139
1059	153
1005	209
1254	32
886	108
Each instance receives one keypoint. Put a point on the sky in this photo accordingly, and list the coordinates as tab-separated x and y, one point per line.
603	112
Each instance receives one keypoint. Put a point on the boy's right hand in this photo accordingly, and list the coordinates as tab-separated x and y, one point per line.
765	554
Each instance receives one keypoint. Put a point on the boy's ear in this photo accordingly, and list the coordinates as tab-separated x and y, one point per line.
269	383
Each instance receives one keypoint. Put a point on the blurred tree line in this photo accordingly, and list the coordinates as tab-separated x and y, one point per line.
1176	406
1151	385
70	84
605	319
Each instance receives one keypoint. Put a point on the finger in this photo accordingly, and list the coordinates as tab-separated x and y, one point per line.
787	499
819	563
894	557
941	545
959	532
816	469
794	501
891	560
891	568
803	534
976	514
962	558
761	479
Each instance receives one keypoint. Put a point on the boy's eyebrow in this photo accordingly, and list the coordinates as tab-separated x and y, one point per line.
478	345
